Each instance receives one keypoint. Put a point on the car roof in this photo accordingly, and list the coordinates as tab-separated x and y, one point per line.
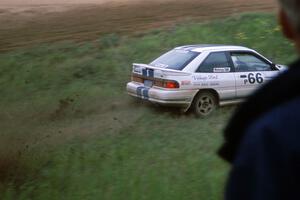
212	47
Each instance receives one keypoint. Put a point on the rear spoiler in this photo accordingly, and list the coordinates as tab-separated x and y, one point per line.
147	70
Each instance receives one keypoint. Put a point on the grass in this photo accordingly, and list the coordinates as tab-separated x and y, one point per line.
69	130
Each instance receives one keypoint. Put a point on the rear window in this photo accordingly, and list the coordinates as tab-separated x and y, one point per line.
175	59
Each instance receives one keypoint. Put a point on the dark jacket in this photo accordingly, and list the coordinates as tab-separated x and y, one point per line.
262	141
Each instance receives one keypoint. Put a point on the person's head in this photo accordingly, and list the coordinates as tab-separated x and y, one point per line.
289	17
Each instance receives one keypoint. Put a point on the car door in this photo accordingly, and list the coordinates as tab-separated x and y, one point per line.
216	72
251	71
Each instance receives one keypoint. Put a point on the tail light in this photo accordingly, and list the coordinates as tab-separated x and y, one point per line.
137	79
171	84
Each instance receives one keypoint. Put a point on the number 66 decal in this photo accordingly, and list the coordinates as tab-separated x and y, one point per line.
253	78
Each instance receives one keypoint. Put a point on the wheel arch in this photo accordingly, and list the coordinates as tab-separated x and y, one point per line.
213	91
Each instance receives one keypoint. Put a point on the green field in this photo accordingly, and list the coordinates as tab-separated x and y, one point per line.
69	130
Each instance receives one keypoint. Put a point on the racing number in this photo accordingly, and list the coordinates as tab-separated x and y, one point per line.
253	78
259	78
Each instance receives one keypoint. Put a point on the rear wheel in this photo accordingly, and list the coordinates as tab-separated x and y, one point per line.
204	104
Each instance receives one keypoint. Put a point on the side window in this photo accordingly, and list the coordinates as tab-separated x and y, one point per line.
245	62
215	63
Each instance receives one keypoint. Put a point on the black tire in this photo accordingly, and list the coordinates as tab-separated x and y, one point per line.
204	104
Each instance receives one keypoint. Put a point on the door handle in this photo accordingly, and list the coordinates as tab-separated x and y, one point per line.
243	76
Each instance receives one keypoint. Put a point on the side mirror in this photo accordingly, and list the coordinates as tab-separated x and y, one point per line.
281	67
274	67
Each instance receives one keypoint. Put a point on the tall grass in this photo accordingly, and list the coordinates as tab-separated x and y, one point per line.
69	130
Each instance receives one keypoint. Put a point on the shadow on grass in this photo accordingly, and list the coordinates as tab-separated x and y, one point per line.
12	168
176	112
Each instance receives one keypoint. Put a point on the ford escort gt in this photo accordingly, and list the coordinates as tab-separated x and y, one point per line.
202	77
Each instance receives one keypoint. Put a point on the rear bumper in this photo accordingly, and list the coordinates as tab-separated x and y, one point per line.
167	97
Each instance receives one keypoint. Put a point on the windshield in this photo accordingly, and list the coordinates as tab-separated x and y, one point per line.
175	59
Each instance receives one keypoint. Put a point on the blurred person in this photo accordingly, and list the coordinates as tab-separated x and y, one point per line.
262	140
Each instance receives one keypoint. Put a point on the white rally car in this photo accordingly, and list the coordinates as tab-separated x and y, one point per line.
202	77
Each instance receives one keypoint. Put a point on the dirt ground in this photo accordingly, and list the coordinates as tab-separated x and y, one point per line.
48	2
39	21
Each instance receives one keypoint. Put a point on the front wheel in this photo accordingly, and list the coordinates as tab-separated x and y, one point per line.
204	104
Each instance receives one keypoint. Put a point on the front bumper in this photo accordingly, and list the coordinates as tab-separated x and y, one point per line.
167	97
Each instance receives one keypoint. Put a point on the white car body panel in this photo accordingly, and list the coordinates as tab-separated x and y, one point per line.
230	86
